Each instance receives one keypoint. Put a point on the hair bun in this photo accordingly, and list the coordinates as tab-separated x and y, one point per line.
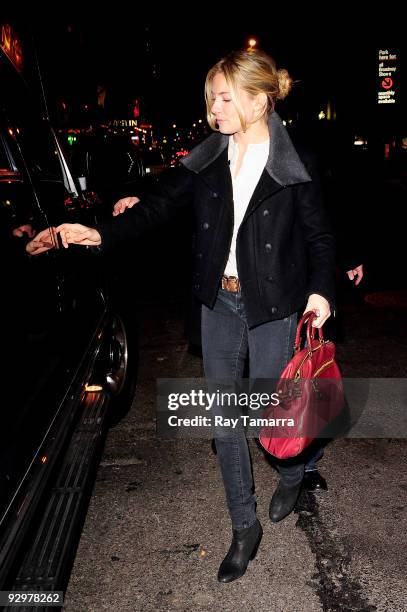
285	83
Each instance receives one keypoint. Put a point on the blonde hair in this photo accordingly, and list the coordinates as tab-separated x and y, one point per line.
255	72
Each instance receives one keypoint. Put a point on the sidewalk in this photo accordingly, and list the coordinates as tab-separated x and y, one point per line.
157	526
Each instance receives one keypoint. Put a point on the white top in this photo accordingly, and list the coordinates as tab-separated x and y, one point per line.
244	185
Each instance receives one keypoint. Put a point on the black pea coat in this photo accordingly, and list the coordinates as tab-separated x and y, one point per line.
284	247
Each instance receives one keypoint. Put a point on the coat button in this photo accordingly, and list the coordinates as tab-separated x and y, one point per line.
265	212
274	309
214	194
198	255
268	247
205	225
197	285
270	279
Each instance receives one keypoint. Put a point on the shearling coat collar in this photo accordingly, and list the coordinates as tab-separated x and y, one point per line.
283	163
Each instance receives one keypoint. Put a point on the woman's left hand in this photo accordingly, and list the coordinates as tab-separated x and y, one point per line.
320	306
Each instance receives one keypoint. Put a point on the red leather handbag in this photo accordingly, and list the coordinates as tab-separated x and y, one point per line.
310	395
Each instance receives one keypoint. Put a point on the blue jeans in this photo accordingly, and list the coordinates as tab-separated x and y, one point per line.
226	340
318	454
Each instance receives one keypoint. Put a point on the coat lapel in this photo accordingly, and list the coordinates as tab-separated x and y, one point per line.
209	159
217	177
284	167
264	188
206	152
284	164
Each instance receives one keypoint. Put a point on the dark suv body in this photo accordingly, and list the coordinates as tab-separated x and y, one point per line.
64	347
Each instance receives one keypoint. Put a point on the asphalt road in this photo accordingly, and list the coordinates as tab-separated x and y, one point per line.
157	526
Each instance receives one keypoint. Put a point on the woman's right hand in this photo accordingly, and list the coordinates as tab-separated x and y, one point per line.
75	233
124	203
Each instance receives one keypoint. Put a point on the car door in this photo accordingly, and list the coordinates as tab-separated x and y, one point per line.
51	303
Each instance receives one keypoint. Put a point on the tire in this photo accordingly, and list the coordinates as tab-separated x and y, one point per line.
121	370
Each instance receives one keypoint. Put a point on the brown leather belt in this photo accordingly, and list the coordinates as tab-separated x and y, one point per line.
230	283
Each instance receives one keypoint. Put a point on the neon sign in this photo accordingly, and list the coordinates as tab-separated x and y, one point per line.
388	76
11	46
124	123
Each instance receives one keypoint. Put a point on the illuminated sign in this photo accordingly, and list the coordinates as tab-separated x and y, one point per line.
11	46
388	76
123	122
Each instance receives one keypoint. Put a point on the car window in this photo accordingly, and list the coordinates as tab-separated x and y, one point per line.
39	148
5	165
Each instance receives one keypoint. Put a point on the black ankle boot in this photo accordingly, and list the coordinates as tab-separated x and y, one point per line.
243	549
283	501
313	481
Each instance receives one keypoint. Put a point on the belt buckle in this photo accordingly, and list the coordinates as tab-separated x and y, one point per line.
231	283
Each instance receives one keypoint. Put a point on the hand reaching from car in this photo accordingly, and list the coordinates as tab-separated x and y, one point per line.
72	233
43	241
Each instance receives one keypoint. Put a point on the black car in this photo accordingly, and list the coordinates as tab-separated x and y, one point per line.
68	368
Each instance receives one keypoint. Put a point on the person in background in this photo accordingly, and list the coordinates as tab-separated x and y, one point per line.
264	252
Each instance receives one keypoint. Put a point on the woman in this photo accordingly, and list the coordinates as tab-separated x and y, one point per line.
263	250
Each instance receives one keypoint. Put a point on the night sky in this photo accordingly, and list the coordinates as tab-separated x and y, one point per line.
163	59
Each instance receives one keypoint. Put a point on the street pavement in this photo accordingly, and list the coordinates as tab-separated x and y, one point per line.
157	526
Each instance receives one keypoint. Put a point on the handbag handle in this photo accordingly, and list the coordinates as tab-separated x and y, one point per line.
307	317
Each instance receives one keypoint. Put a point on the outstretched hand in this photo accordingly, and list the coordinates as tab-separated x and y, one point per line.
75	233
124	203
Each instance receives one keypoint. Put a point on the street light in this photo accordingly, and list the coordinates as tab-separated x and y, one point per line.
252	43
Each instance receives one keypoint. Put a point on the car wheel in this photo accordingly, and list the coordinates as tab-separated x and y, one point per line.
121	371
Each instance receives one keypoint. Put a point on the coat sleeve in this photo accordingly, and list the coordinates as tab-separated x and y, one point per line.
172	192
318	235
